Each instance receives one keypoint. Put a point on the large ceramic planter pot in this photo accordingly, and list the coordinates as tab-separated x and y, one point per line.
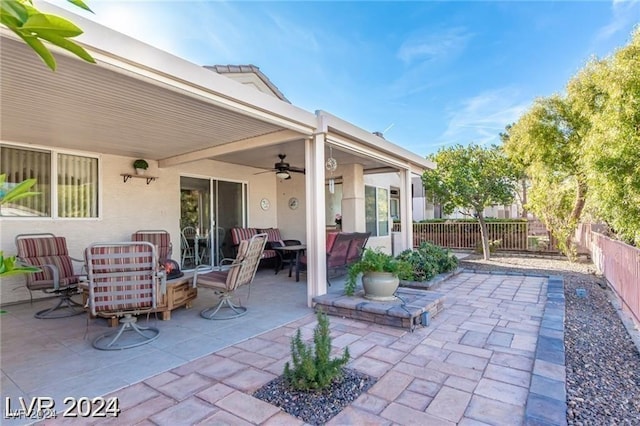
380	285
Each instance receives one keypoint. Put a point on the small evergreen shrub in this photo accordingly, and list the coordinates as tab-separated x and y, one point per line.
428	260
313	367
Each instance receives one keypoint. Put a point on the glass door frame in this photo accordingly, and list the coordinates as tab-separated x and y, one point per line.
213	184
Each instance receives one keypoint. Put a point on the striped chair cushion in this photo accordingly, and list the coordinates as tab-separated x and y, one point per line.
268	254
161	239
121	278
239	234
273	234
40	251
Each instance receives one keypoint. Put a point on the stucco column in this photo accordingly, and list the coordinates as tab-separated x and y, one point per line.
315	215
353	211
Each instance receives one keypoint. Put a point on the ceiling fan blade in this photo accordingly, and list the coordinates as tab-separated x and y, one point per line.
266	171
297	170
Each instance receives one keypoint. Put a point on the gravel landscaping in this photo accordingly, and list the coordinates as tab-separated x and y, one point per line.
603	363
316	407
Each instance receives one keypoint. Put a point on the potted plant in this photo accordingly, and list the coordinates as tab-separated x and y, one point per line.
381	274
141	166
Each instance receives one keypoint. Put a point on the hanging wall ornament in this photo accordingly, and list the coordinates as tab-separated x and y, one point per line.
331	165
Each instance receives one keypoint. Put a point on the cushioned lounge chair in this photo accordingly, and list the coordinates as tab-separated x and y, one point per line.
226	279
123	281
57	275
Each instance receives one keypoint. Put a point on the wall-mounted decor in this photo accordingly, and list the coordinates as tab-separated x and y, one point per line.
141	166
293	203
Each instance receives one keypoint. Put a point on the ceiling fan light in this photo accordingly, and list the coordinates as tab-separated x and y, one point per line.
283	174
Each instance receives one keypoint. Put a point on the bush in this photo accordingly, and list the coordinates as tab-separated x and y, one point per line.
312	366
429	260
375	260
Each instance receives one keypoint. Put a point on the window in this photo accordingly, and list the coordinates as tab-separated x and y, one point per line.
394	203
376	211
73	194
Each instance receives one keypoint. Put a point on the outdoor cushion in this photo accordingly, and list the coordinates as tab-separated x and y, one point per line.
240	234
47	251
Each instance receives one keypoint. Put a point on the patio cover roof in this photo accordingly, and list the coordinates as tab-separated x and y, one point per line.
140	101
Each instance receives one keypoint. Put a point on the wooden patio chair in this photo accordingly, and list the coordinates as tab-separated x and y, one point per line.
123	281
226	279
57	276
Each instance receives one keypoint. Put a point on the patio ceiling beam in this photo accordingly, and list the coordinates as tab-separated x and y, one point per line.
228	148
362	151
378	170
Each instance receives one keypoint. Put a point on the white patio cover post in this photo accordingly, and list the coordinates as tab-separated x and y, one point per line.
406	211
316	226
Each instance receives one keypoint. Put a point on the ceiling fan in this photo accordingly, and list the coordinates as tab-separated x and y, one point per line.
283	168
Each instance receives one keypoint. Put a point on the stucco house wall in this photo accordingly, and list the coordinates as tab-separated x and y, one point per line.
133	205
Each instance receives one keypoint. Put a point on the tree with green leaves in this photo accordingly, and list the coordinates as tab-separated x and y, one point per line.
521	172
9	265
33	27
471	178
582	149
548	141
609	93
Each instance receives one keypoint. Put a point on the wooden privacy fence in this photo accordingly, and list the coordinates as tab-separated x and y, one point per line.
618	262
510	236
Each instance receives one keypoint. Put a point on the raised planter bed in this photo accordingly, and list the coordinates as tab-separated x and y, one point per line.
432	283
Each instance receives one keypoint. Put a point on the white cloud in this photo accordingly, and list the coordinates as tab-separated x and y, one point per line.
625	13
480	119
426	47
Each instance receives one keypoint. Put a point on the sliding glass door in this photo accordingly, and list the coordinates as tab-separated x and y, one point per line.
209	208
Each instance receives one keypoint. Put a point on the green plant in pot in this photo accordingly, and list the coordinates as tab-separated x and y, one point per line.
381	274
141	166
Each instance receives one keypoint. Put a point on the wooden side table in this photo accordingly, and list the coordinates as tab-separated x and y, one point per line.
179	293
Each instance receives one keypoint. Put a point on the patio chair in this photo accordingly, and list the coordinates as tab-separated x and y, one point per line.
123	280
226	279
343	249
56	276
187	245
160	238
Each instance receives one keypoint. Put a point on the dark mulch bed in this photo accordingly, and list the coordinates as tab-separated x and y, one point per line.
316	407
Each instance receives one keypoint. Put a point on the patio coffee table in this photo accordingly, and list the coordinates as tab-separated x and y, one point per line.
179	293
298	249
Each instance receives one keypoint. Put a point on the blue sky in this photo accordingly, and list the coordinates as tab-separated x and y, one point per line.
428	74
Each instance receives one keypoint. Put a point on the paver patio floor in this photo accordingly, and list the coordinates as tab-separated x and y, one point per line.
473	365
